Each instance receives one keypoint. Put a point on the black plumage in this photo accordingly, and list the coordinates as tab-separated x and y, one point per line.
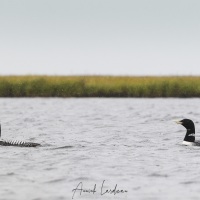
189	138
17	143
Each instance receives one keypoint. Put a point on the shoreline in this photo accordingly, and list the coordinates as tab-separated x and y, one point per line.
100	86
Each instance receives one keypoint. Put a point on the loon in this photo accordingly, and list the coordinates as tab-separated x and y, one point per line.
16	143
189	139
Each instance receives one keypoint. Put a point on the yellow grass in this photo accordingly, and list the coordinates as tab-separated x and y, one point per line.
99	86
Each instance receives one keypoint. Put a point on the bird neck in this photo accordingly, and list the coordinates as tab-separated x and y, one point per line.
190	135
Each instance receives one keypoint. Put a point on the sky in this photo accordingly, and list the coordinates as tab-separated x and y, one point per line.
100	37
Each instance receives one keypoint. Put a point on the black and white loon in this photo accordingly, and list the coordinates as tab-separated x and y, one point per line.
16	143
190	134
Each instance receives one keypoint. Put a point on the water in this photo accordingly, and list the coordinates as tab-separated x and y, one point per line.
129	142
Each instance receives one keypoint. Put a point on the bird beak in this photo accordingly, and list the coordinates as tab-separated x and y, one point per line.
178	122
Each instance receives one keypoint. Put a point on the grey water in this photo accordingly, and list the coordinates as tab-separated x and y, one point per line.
130	145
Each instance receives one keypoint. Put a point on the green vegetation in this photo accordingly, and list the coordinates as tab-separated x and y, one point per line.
98	86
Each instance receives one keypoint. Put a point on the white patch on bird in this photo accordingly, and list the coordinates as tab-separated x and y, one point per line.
192	134
188	143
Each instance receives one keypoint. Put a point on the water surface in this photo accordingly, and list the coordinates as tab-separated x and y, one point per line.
129	142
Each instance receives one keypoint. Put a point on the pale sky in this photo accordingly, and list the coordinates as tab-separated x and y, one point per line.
100	37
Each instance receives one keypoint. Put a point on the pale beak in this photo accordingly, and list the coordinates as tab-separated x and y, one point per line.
178	122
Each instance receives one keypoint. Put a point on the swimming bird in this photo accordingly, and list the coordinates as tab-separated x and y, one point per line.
16	143
190	134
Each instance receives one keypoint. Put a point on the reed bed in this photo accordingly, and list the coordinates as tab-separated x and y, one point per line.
99	86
